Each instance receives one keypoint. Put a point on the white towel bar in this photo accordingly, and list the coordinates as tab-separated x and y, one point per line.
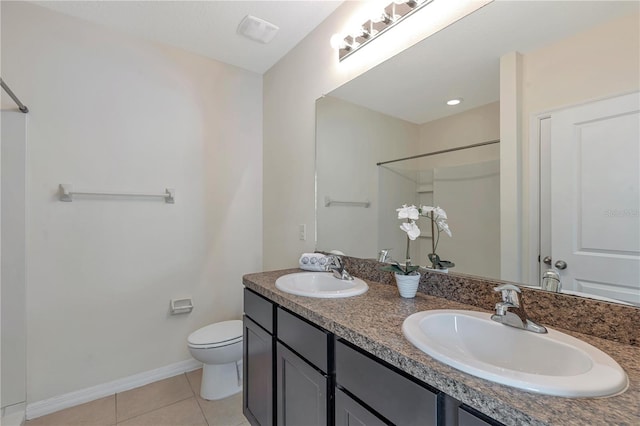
67	193
328	202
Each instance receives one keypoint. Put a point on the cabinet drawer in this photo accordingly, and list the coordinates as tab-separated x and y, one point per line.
306	339
395	397
259	309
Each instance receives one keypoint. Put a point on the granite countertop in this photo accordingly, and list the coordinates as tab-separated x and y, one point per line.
373	322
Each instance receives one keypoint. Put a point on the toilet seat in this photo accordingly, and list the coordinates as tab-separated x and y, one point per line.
215	345
216	335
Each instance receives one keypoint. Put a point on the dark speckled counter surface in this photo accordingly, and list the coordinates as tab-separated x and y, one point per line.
373	322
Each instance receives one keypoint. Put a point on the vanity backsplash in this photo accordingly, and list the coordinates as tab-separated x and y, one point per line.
605	320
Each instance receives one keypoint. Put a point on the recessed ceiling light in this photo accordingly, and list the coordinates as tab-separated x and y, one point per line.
455	101
257	29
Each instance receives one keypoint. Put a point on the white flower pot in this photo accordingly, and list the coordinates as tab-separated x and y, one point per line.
407	285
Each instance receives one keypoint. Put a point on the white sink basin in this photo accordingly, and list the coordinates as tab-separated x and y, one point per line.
551	364
320	284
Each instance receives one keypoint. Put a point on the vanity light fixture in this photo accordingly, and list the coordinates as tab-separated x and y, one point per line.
454	102
392	14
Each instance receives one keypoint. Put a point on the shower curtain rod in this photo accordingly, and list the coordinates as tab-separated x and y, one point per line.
22	107
475	145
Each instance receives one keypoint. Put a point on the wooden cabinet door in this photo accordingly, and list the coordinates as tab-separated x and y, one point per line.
350	413
257	390
301	391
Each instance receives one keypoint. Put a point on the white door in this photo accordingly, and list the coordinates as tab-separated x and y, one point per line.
595	197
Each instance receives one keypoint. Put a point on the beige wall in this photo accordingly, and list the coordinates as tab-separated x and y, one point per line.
291	87
598	63
113	112
476	125
470	202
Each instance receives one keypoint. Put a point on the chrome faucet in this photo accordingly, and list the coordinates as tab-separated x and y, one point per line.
383	255
334	264
511	310
551	281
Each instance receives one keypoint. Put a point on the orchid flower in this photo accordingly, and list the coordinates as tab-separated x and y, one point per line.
408	212
411	229
443	226
440	213
438	221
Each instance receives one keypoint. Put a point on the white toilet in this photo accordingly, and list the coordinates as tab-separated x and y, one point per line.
219	347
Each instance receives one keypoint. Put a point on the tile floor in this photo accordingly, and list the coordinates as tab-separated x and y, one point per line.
171	402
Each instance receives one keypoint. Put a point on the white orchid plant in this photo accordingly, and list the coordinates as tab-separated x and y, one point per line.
438	222
410	214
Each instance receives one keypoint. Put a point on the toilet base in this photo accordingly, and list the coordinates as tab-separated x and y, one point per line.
220	380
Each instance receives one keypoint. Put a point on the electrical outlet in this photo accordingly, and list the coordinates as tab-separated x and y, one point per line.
302	232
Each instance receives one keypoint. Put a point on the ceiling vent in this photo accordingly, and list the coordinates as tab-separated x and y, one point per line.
257	29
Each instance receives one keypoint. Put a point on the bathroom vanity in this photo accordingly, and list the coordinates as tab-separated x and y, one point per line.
345	362
321	379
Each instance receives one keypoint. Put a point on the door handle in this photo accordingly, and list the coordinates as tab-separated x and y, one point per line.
561	264
547	260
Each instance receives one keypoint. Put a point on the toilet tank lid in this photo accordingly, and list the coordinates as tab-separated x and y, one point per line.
216	333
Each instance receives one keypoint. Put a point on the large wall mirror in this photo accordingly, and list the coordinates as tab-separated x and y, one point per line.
388	138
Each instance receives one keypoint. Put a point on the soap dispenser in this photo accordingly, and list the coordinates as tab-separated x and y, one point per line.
551	281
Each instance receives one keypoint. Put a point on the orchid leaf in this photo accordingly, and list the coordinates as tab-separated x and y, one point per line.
410	269
438	263
400	269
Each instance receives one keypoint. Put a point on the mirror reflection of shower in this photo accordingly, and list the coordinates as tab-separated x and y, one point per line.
22	107
466	185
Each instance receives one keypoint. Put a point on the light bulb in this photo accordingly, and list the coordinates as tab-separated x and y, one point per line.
360	32
337	41
411	3
454	102
381	17
351	43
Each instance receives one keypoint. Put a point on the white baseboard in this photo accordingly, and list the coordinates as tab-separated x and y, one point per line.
15	419
9	410
71	399
13	415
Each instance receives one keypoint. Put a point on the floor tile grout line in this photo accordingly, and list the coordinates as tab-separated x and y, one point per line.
245	421
157	408
198	401
202	412
148	412
197	396
186	375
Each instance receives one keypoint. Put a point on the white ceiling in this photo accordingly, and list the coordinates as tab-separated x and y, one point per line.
459	61
207	28
463	60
